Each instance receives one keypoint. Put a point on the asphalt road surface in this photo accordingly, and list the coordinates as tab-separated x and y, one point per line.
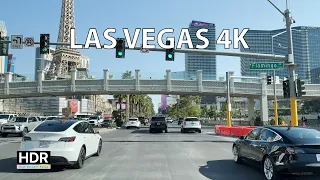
138	155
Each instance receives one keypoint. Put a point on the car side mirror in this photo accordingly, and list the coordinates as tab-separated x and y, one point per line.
96	132
241	137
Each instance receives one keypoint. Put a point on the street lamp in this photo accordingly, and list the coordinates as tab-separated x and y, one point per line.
290	63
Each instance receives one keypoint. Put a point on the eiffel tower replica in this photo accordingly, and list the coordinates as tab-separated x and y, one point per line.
65	58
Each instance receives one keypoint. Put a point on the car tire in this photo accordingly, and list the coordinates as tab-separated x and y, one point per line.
81	158
99	148
4	135
24	132
269	170
199	131
236	158
150	131
166	131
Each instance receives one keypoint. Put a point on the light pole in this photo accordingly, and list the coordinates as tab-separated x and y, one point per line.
290	63
275	103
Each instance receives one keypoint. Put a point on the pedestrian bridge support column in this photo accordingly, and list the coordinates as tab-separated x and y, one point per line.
251	106
264	99
105	79
8	79
199	78
168	80
40	79
137	79
73	80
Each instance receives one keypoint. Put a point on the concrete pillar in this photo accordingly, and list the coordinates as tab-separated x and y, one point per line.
137	79
8	79
251	108
264	99
168	71
106	77
199	78
73	79
231	73
40	79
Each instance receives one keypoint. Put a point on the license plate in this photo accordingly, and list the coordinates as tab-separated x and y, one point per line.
318	157
44	144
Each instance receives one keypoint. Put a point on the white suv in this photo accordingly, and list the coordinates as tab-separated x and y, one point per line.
191	124
133	122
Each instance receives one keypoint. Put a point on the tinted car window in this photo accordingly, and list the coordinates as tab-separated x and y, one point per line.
267	135
301	134
158	119
55	125
21	119
51	118
192	119
133	119
254	134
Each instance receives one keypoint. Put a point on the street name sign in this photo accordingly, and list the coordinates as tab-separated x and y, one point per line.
16	42
266	66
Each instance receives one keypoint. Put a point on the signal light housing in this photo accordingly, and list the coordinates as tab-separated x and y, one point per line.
269	79
44	43
120	48
169	53
286	89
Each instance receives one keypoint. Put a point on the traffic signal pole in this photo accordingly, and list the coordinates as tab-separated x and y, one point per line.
290	63
291	68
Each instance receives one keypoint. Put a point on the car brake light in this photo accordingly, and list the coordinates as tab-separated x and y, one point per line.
26	138
67	139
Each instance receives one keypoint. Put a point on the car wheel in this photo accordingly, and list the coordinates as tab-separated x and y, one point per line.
81	158
269	170
166	131
99	148
199	131
150	130
4	135
24	132
236	157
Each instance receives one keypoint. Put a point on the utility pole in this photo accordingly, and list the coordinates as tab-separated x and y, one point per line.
290	63
275	105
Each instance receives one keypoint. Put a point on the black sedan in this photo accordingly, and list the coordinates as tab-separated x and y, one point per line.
280	150
106	123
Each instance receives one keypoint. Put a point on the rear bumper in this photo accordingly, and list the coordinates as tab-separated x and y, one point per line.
60	161
154	127
300	168
59	156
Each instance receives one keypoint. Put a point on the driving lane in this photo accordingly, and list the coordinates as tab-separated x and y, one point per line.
136	154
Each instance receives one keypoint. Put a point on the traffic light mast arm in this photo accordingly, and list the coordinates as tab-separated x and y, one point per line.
197	51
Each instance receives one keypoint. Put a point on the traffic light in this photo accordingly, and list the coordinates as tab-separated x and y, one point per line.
268	80
300	88
286	89
169	53
120	48
44	43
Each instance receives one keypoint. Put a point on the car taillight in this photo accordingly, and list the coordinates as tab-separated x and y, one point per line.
26	138
67	139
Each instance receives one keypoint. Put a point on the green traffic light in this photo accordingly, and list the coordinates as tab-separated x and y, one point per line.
120	53
170	56
44	50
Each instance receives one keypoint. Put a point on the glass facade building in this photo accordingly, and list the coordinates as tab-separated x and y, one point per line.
178	75
206	63
306	48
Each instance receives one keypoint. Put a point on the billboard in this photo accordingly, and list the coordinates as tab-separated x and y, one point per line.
9	63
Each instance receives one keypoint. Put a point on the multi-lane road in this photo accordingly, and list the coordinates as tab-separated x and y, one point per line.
138	155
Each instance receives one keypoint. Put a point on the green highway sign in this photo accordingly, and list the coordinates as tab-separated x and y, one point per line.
266	66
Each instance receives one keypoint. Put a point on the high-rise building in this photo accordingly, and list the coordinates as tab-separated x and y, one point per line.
42	61
3	31
206	63
306	49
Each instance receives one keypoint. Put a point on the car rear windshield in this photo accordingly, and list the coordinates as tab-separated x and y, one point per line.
141	118
158	119
300	135
51	118
107	120
55	126
192	119
132	119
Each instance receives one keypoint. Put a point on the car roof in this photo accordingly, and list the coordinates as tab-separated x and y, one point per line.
191	117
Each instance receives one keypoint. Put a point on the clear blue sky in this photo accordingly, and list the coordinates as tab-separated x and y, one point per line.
30	18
